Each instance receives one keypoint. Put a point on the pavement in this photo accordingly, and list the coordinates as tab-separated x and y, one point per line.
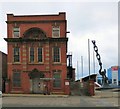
98	93
32	95
102	98
70	101
110	93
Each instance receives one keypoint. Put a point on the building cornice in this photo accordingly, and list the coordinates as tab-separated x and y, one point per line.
35	40
39	21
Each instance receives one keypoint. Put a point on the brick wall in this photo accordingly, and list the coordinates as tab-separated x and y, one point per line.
44	23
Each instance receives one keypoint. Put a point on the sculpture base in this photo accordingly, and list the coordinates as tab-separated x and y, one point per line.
107	87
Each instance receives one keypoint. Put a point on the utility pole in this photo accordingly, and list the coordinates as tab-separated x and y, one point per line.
93	61
77	71
89	57
82	65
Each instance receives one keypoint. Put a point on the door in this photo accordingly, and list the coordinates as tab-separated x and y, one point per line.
38	85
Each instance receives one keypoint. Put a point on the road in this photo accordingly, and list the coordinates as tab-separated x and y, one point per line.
70	101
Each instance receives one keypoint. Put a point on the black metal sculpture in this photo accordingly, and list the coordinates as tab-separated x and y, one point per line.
102	73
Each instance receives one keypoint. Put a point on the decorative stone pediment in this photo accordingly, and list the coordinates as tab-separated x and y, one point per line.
36	73
34	33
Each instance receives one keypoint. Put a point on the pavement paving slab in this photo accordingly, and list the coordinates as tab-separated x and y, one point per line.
101	99
32	95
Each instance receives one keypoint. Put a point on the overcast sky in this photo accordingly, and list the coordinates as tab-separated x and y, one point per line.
85	20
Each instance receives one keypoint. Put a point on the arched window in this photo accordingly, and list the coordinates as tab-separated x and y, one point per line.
34	33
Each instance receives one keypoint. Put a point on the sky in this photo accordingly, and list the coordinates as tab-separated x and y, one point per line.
85	20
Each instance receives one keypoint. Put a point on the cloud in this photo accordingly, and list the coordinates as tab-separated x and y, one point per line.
95	22
92	16
85	20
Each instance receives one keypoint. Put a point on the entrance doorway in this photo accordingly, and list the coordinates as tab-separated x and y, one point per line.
38	85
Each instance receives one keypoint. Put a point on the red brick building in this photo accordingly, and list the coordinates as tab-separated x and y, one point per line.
3	70
37	47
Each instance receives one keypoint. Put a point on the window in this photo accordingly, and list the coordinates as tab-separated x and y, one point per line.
16	32
56	54
114	81
31	54
56	32
16	79
57	81
16	54
40	54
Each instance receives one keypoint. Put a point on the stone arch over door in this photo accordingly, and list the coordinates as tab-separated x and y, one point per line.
36	85
36	73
